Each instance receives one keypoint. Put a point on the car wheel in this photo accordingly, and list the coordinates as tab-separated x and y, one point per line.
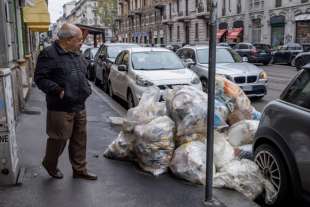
204	83
110	90
299	62
257	98
273	168
266	63
130	100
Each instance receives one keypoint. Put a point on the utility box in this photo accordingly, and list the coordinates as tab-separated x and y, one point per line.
9	162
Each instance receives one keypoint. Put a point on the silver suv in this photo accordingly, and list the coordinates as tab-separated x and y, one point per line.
249	77
282	142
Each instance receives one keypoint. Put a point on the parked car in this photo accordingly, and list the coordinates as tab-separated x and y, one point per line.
104	58
224	44
249	77
287	53
262	54
301	59
173	48
282	142
136	69
90	54
306	47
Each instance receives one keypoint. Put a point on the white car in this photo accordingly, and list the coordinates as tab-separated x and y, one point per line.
136	69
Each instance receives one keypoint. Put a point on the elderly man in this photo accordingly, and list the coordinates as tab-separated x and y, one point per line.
60	74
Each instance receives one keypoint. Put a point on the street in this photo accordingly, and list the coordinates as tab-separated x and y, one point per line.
279	76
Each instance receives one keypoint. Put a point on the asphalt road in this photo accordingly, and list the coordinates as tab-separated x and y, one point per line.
279	76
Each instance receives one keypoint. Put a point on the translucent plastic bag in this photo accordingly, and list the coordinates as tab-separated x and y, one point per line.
223	151
148	109
242	132
245	177
187	106
122	148
189	162
155	145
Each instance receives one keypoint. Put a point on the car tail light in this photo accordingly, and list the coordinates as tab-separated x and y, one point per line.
253	52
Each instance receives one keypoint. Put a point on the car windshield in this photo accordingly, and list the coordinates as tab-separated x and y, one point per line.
223	55
94	51
156	60
114	50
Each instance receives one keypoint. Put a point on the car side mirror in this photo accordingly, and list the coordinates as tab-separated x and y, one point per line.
245	59
122	68
189	62
102	56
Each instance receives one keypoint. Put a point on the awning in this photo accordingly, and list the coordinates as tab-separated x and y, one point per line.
302	17
234	33
37	17
220	33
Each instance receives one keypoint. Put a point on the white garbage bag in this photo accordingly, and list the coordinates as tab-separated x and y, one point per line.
155	145
245	177
187	106
242	132
122	148
189	162
223	151
148	109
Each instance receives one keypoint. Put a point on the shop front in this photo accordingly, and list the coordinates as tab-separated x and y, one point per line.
221	34
303	28
236	33
277	24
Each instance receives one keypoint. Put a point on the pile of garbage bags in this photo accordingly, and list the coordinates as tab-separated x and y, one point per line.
172	135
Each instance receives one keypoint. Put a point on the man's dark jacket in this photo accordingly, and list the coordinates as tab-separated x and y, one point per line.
59	70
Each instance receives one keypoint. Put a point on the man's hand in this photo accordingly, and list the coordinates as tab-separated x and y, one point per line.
61	95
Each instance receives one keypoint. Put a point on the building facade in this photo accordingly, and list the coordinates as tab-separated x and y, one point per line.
274	22
162	21
93	13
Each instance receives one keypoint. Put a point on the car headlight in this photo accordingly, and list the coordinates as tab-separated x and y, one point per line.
195	81
263	75
228	77
142	82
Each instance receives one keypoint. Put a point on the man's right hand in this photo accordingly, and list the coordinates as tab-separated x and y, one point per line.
61	95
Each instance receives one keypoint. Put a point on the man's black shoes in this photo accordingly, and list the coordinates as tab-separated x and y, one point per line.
85	175
53	173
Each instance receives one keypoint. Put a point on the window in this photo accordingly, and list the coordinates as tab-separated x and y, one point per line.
125	59
239	7
224	8
196	31
299	92
178	33
243	46
304	1
119	58
278	3
170	34
178	6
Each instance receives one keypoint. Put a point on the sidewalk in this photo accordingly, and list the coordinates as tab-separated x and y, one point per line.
120	184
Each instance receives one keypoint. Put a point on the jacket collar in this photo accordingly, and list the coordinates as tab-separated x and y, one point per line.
61	51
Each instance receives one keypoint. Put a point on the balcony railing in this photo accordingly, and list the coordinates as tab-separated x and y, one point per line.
159	4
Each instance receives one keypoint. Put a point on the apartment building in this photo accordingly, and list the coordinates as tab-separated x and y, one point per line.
274	22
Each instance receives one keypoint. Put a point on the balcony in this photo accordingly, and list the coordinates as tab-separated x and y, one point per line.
202	13
118	18
138	11
131	14
167	21
160	4
183	18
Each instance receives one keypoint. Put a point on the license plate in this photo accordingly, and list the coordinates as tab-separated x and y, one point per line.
247	88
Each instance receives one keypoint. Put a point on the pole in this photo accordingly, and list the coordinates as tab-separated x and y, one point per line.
211	91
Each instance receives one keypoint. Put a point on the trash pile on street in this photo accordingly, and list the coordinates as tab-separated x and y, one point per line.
173	135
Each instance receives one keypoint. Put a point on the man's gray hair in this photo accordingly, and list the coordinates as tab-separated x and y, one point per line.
67	31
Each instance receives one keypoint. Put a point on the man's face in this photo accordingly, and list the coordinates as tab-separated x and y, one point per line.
74	43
